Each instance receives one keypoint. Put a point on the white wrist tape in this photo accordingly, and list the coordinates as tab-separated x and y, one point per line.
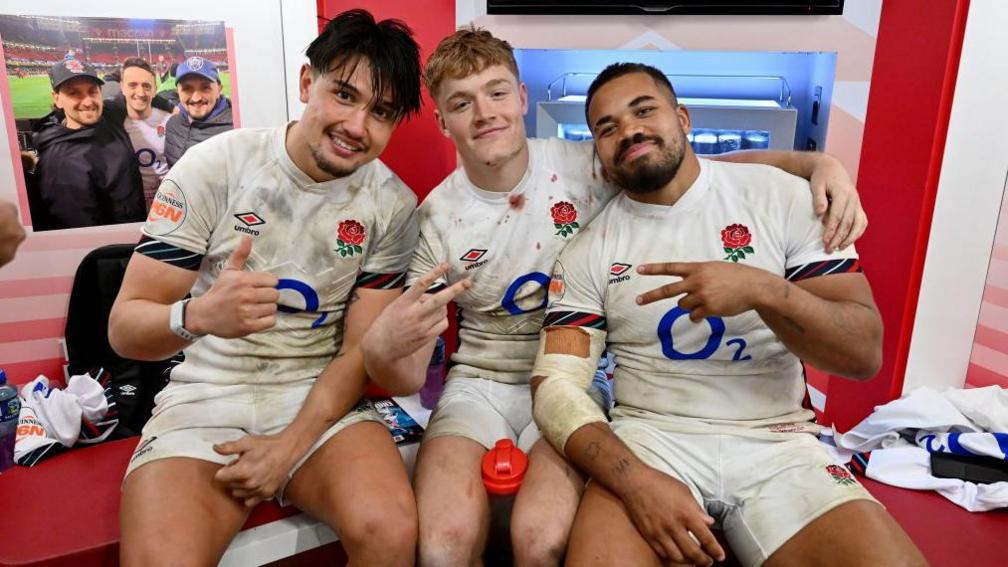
562	404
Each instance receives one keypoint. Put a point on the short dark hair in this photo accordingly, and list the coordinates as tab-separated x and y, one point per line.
138	62
387	46
617	70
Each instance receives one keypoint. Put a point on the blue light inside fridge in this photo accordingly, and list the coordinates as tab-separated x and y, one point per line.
574	132
705	141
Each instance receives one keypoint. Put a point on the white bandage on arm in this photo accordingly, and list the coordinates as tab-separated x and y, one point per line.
562	404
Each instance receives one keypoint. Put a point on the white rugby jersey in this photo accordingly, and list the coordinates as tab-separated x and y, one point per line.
507	243
320	239
148	136
722	368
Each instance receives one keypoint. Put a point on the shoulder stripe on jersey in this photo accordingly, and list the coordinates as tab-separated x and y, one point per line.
824	268
169	253
370	280
436	288
574	319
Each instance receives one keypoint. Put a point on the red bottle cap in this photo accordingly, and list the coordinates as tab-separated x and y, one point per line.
504	468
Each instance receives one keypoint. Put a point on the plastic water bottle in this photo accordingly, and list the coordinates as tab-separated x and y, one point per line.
10	407
431	389
503	469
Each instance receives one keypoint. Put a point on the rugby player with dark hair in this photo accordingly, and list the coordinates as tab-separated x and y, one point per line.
290	241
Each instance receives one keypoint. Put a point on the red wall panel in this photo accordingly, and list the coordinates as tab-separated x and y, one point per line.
913	80
418	152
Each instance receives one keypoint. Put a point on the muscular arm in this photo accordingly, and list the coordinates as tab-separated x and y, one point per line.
829	321
398	346
340	386
592	447
801	164
662	508
138	324
265	460
238	303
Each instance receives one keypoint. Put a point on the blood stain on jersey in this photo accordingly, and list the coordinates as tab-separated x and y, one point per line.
554	178
516	201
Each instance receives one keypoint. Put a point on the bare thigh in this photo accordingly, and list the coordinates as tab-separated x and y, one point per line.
173	512
859	532
451	500
604	534
545	507
358	484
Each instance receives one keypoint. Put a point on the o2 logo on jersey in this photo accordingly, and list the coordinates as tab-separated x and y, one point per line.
717	331
310	296
146	157
510	300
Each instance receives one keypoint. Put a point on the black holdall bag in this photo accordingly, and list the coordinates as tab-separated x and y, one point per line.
133	383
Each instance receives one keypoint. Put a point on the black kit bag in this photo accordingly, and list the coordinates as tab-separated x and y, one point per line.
133	383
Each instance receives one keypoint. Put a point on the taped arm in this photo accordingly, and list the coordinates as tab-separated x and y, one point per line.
564	368
569	418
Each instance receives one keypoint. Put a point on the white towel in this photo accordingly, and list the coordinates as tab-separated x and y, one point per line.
899	434
910	467
50	419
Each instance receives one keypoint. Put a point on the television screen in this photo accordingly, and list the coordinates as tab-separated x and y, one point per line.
660	7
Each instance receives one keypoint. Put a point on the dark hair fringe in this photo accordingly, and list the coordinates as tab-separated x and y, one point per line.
387	46
138	62
617	70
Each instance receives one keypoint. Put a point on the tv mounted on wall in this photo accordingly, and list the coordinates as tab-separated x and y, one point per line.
668	7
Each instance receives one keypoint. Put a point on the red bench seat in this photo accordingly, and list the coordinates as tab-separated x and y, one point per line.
65	512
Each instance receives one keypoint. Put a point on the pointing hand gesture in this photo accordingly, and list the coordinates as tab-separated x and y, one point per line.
710	288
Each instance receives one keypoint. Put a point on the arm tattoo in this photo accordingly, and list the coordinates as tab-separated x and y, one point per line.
593	449
622	466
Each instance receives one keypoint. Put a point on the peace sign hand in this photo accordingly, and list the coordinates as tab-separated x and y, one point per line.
415	318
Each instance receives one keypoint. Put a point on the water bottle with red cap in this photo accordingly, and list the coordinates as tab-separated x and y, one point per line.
503	469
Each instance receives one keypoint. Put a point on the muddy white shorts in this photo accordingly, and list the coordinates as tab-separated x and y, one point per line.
761	490
484	411
190	418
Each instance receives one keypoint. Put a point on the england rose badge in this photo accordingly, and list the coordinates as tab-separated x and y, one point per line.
564	218
736	240
350	236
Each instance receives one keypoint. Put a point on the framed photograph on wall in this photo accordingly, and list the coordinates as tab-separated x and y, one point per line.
101	107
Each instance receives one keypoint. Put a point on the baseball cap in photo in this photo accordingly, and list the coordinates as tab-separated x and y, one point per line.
196	65
70	69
